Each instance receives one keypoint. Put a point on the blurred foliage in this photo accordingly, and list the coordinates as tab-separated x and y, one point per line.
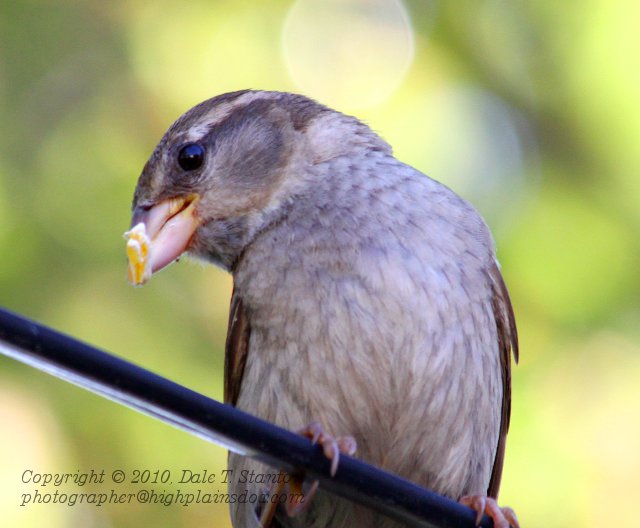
528	109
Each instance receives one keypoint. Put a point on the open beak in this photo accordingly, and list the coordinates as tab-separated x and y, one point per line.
159	235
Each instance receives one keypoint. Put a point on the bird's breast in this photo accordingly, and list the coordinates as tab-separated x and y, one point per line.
380	332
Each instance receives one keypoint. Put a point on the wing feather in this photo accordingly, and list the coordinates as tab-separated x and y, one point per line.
507	344
236	350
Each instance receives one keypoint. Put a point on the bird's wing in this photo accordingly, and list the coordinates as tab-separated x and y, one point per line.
507	343
236	349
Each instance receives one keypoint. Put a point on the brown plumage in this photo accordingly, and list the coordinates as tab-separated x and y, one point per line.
366	295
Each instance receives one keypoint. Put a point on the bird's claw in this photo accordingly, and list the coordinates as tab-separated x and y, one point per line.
502	517
332	447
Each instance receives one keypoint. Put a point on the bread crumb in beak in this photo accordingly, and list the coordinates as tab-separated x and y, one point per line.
138	255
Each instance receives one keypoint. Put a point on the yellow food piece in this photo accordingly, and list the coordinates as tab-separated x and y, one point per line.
138	255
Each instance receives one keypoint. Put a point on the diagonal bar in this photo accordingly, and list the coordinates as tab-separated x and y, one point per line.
114	378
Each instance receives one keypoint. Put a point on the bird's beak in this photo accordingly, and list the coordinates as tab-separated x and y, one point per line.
159	235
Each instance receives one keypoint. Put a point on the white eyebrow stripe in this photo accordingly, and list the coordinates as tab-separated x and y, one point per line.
222	111
198	131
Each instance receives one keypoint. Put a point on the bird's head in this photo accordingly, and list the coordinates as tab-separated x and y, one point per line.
225	168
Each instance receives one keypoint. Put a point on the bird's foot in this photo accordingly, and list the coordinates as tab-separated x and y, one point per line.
298	500
332	447
502	517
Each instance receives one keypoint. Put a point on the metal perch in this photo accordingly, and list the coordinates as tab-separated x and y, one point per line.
121	381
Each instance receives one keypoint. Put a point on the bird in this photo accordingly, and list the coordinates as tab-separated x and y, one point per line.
368	303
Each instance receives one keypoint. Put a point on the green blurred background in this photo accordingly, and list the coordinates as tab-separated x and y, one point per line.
528	109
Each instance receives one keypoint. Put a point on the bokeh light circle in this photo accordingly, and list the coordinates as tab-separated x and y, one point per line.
348	53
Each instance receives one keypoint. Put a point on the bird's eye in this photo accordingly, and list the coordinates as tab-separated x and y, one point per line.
191	156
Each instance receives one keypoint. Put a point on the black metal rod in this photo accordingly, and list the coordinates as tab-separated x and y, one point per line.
135	387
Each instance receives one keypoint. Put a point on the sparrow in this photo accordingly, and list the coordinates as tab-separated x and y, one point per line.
367	298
